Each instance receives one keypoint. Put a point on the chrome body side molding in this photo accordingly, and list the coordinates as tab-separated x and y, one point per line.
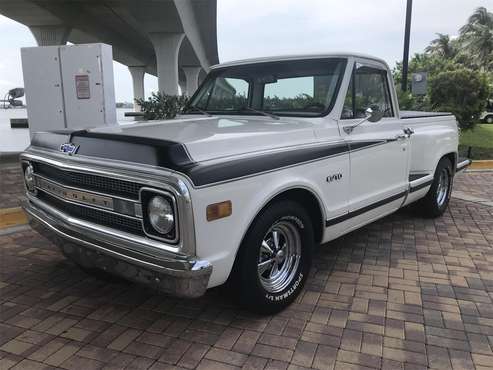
368	208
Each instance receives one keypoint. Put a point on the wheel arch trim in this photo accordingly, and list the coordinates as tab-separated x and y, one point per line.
273	196
278	193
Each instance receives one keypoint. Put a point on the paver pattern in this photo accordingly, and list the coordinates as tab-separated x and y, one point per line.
476	184
11	185
402	293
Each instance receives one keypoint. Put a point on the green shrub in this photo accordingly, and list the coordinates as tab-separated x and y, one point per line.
162	106
477	153
461	91
408	101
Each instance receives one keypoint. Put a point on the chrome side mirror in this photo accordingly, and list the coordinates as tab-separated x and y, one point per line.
370	116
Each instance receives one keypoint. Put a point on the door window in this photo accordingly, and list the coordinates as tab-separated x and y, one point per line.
368	88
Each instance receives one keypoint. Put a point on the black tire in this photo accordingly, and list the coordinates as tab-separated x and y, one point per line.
256	290
436	201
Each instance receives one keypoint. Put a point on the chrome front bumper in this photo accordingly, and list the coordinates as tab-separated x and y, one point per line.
177	274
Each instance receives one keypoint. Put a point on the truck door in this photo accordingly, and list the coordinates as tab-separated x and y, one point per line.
378	151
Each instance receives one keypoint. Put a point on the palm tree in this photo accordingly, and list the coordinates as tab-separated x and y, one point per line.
442	46
477	36
480	16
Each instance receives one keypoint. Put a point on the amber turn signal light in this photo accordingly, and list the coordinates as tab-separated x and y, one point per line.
219	210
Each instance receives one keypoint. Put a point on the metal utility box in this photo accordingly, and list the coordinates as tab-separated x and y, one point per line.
69	86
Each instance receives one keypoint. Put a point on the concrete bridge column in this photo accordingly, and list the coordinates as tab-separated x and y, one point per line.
137	73
166	47
192	76
50	35
183	87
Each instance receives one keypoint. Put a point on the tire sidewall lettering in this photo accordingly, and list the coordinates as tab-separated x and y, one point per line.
294	286
298	222
286	294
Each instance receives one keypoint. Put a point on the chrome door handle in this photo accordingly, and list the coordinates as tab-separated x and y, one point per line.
408	131
406	135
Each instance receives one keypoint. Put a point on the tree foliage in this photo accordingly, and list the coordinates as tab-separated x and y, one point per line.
461	91
477	37
460	71
443	46
162	106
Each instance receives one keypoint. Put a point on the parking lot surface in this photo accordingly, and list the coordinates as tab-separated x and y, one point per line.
402	293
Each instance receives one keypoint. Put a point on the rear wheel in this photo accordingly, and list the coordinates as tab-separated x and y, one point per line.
489	119
274	259
437	199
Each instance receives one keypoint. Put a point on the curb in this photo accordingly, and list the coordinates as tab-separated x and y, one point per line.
482	165
10	217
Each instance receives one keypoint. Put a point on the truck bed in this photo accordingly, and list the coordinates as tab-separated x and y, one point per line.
406	114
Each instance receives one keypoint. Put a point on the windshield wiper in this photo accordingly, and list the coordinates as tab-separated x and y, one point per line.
194	108
260	112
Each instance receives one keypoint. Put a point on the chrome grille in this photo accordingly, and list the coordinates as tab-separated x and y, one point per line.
90	214
70	193
104	200
102	184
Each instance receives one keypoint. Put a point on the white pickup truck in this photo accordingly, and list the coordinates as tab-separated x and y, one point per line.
272	157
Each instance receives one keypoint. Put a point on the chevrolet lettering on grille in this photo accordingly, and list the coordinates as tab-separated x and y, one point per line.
74	195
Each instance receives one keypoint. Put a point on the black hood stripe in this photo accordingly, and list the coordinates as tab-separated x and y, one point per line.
155	152
174	156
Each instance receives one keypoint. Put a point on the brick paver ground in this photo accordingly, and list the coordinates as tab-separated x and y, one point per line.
401	293
477	184
11	185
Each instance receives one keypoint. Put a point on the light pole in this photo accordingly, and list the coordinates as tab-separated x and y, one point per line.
405	58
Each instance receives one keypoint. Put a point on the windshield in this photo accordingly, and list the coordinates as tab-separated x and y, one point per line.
291	88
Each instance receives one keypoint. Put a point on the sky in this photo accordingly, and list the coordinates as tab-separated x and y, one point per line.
254	28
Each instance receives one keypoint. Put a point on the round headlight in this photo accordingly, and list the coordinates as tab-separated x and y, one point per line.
160	214
29	178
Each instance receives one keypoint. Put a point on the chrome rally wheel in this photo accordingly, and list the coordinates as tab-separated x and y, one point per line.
435	202
279	256
274	259
443	187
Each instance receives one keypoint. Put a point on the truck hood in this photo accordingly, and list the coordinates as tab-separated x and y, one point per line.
207	150
208	138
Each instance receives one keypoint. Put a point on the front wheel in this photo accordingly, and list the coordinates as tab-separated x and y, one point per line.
437	199
274	259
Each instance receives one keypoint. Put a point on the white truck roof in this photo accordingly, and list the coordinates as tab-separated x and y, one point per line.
296	57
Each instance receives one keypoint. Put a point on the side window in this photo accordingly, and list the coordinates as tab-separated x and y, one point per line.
368	88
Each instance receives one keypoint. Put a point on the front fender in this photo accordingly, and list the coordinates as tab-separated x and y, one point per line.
220	240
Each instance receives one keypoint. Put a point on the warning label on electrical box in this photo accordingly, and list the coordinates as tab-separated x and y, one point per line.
82	86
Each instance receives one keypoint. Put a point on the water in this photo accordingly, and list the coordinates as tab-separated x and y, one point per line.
16	140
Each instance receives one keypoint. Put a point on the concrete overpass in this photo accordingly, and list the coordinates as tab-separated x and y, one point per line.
172	39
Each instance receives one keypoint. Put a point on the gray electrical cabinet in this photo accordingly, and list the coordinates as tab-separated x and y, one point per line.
69	86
